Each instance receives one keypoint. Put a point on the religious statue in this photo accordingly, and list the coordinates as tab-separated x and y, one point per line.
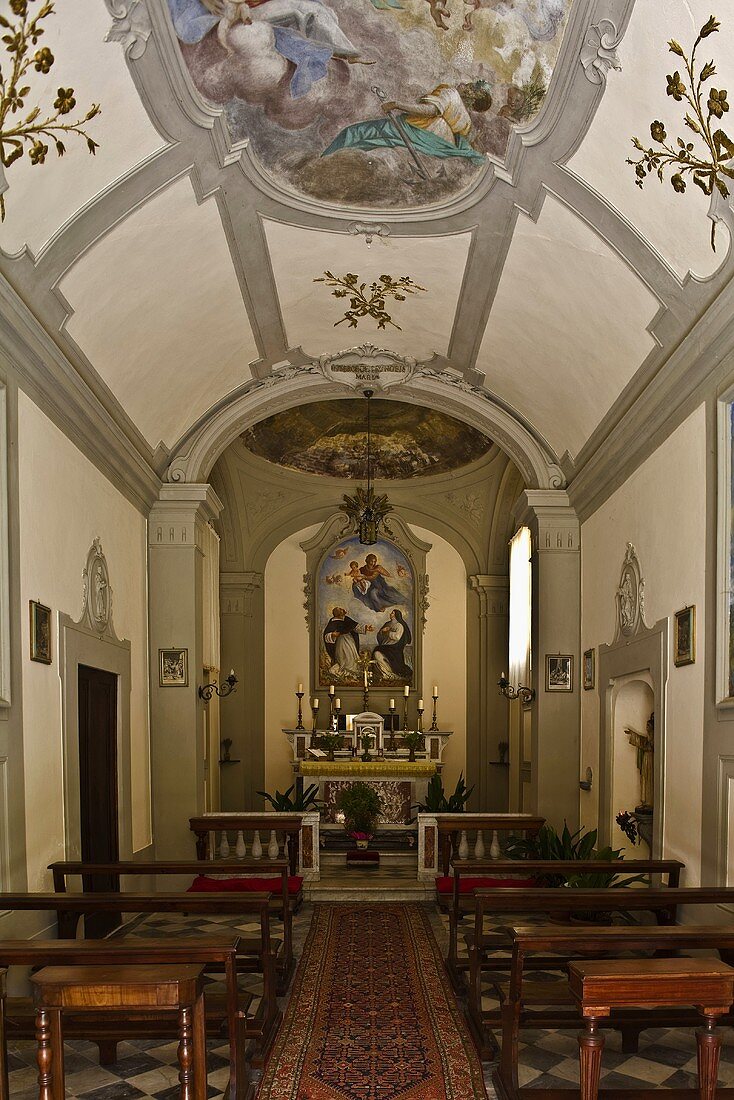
644	743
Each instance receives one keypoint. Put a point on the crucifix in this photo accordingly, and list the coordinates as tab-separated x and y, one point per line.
367	662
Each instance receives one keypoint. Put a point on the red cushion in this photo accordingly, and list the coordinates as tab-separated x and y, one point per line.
204	884
445	884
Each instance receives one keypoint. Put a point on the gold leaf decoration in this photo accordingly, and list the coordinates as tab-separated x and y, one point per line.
682	158
33	131
369	300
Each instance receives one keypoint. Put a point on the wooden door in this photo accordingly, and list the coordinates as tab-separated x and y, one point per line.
98	784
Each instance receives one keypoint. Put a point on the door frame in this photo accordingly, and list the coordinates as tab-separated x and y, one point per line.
78	645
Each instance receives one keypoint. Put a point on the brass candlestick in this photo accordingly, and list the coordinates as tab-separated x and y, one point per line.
299	696
405	713
315	713
434	723
420	719
335	719
391	746
366	694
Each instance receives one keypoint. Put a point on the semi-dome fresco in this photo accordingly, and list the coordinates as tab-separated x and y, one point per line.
330	438
373	103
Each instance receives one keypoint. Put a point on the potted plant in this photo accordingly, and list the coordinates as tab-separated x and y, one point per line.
330	743
289	803
361	805
436	801
414	739
366	742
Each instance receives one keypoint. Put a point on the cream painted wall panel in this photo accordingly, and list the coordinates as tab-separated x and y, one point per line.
675	225
287	650
310	312
661	509
42	197
554	347
64	504
159	313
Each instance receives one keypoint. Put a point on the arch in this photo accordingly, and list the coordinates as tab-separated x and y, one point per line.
194	457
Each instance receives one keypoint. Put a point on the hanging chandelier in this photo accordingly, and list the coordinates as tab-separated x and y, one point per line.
367	511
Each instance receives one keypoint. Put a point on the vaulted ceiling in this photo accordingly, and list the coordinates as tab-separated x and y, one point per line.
175	273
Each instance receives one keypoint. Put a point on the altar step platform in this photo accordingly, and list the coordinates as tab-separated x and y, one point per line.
394	880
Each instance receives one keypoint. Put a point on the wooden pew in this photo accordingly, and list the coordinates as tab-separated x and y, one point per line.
281	904
215	952
463	903
451	826
567	943
70	907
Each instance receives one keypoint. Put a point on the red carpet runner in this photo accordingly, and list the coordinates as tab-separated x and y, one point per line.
372	1015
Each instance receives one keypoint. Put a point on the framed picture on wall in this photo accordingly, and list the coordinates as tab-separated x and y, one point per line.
40	632
558	672
173	667
684	637
589	669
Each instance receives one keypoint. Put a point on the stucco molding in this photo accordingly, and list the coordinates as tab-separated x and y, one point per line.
367	366
97	593
493	593
630	598
554	525
131	26
599	52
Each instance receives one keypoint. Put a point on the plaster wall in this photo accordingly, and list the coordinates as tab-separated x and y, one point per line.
65	502
287	650
661	509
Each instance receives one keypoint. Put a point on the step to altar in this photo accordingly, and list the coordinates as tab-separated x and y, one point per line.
395	879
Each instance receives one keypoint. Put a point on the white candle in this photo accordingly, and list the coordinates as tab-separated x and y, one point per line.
406	691
331	689
315	704
392	704
338	704
231	672
435	691
300	689
420	704
365	679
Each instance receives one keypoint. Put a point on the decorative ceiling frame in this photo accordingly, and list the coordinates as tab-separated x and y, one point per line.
199	146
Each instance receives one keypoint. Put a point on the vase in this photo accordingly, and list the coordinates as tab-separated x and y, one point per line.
362	843
411	756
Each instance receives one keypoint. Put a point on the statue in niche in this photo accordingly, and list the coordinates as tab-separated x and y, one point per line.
644	743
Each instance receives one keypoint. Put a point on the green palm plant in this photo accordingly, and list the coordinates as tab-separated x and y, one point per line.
287	802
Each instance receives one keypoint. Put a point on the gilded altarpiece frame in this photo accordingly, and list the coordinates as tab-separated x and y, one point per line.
386	597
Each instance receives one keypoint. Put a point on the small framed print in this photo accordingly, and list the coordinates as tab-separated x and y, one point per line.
40	632
558	672
684	637
589	669
174	667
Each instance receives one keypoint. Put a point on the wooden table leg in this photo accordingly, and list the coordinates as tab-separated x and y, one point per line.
591	1045
708	1041
199	1024
57	1047
185	1056
44	1055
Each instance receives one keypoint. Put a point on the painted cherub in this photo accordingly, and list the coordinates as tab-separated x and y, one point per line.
360	582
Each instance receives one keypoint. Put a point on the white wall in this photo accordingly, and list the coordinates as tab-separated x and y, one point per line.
661	509
65	502
287	650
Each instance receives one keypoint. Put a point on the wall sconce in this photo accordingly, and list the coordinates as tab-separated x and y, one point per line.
229	685
586	783
526	695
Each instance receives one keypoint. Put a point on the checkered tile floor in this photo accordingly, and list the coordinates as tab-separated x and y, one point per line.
148	1069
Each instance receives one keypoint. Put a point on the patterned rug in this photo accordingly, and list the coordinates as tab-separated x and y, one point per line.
372	1015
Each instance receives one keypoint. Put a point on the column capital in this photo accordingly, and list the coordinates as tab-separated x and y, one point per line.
493	592
236	592
178	516
554	525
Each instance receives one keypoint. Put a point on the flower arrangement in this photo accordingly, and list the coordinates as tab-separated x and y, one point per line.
628	825
358	835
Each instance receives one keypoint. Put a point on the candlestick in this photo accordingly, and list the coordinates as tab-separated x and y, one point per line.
405	710
434	723
391	743
299	696
315	713
335	715
420	716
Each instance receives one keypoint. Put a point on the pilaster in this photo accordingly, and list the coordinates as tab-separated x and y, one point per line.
176	577
242	716
487	615
556	629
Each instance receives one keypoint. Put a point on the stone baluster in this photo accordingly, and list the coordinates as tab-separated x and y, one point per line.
479	846
257	848
240	847
273	846
463	845
495	851
212	845
224	845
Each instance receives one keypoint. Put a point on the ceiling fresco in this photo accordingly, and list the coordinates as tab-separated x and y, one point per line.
373	103
329	438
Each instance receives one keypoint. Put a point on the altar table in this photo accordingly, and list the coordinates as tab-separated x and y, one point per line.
400	782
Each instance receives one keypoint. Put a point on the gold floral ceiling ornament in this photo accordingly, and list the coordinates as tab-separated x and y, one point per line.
369	300
33	132
706	105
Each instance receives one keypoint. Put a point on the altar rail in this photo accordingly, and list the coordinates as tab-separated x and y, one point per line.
441	836
291	836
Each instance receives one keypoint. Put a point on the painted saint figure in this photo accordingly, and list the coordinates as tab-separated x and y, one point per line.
644	743
341	640
370	586
389	653
438	125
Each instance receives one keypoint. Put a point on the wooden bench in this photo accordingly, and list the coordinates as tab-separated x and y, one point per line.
69	907
599	987
282	904
468	875
661	901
